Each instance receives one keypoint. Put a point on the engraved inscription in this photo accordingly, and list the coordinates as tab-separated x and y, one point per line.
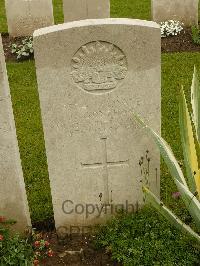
105	164
98	67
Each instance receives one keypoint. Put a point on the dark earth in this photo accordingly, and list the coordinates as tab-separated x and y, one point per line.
73	250
76	251
80	250
180	43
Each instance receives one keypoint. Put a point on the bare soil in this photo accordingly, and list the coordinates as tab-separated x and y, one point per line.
76	251
180	43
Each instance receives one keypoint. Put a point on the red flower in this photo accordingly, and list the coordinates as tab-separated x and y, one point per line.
176	195
2	219
46	243
36	262
37	244
50	253
1	237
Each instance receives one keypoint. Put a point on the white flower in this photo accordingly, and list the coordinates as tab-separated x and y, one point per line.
170	28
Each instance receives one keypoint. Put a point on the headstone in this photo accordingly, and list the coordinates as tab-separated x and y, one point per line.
91	82
185	11
85	9
25	16
13	201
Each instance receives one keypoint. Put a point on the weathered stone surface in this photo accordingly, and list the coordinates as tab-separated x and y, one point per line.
13	201
25	16
93	77
185	11
85	9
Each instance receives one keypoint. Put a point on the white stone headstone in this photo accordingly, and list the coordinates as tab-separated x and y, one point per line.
185	11
85	9
93	75
13	201
25	16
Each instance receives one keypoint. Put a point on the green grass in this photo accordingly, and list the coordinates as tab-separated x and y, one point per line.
3	22
138	9
30	137
58	11
147	239
177	70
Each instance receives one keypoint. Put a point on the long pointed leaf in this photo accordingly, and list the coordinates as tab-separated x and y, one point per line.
173	219
195	100
188	144
166	153
191	202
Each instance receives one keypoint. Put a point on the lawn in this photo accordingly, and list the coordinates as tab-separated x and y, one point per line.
176	70
30	137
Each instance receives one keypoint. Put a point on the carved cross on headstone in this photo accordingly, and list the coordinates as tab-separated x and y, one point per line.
105	164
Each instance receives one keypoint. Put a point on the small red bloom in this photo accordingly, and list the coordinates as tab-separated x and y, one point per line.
176	195
2	219
37	244
1	237
46	243
50	253
36	262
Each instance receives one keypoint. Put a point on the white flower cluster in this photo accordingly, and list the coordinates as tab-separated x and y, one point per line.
170	28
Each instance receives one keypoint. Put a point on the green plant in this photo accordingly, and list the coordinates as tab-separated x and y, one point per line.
14	250
170	28
146	238
190	188
195	34
23	50
42	248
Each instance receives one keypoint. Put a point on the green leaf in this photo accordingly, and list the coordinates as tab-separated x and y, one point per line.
191	202
166	153
173	219
188	144
195	100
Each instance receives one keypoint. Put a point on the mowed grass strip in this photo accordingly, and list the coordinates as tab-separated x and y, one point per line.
3	21
177	70
22	78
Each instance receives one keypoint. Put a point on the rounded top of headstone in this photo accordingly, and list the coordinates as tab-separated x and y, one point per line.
95	22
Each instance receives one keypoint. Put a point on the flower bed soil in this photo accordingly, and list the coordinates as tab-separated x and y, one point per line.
76	251
180	43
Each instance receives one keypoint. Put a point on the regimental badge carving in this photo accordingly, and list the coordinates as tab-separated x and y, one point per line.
98	67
